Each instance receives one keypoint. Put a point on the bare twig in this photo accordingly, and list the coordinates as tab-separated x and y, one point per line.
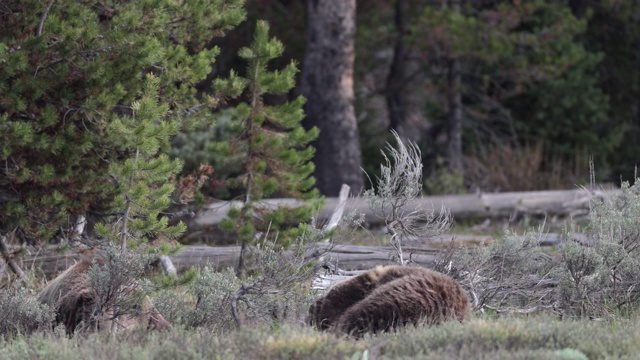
399	183
9	259
43	17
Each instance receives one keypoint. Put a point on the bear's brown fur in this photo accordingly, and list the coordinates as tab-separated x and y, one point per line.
385	298
70	294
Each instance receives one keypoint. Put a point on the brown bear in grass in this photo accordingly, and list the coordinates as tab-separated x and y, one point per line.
70	294
387	297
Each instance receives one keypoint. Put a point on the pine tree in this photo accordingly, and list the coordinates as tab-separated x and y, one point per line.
142	178
80	124
568	109
270	144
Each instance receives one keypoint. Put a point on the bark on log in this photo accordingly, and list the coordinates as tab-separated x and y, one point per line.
471	206
167	265
346	257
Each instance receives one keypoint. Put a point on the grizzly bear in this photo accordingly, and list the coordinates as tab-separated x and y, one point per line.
74	301
387	297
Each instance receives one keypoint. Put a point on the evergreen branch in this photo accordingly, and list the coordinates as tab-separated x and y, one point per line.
108	214
128	201
43	17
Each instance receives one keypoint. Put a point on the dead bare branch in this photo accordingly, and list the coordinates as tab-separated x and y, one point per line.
9	259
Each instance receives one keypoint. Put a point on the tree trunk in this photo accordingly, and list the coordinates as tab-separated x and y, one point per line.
404	96
327	83
578	8
454	104
454	118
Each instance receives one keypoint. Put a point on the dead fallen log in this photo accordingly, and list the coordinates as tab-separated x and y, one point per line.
347	257
560	203
50	263
222	257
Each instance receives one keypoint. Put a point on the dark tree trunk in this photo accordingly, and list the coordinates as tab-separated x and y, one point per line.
578	7
327	83
403	89
454	117
454	104
396	102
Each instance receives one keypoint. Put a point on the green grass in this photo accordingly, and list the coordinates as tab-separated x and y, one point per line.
536	337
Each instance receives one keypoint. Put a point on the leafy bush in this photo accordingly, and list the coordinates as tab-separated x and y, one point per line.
276	292
444	181
213	292
116	286
206	302
602	280
22	313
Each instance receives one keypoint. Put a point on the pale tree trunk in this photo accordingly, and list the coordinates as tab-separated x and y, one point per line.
454	104
327	83
405	97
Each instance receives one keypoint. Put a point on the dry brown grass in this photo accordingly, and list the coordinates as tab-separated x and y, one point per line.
524	168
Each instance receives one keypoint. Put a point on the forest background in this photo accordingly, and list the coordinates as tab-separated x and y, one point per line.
102	103
498	95
538	85
120	111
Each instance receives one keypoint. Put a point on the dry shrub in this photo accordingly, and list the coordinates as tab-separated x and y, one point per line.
275	292
105	293
511	275
504	168
596	278
116	286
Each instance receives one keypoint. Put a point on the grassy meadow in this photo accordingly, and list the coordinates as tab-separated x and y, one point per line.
535	337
